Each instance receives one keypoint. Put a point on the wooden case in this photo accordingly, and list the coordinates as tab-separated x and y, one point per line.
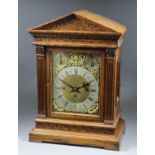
83	32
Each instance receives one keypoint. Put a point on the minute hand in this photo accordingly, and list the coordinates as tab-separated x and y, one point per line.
67	84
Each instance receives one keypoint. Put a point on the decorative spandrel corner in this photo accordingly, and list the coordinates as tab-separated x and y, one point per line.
78	80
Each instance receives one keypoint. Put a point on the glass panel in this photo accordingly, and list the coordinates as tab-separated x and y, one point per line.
76	83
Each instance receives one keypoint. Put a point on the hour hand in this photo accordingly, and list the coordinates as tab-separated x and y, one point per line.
84	85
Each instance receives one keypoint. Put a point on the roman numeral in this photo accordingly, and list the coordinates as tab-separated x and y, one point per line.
67	73
75	71
58	96
66	103
91	81
90	99
84	106
58	87
93	90
84	74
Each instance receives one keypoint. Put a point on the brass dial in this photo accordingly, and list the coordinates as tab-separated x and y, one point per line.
76	83
78	89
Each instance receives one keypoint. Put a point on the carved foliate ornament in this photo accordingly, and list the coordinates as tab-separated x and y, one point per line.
73	23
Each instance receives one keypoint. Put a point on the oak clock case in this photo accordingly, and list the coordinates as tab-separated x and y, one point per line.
78	81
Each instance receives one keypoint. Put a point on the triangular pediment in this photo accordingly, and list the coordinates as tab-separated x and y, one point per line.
74	23
81	21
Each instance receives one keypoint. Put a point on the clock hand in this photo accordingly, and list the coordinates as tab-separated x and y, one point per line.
67	84
84	85
75	90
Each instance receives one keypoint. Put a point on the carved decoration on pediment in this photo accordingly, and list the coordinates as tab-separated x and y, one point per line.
73	23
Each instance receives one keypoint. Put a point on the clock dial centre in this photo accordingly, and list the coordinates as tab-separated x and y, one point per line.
79	91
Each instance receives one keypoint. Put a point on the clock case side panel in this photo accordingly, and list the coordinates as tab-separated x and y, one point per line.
77	116
41	80
118	83
112	86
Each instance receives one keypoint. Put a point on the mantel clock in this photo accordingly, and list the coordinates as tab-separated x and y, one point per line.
78	80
